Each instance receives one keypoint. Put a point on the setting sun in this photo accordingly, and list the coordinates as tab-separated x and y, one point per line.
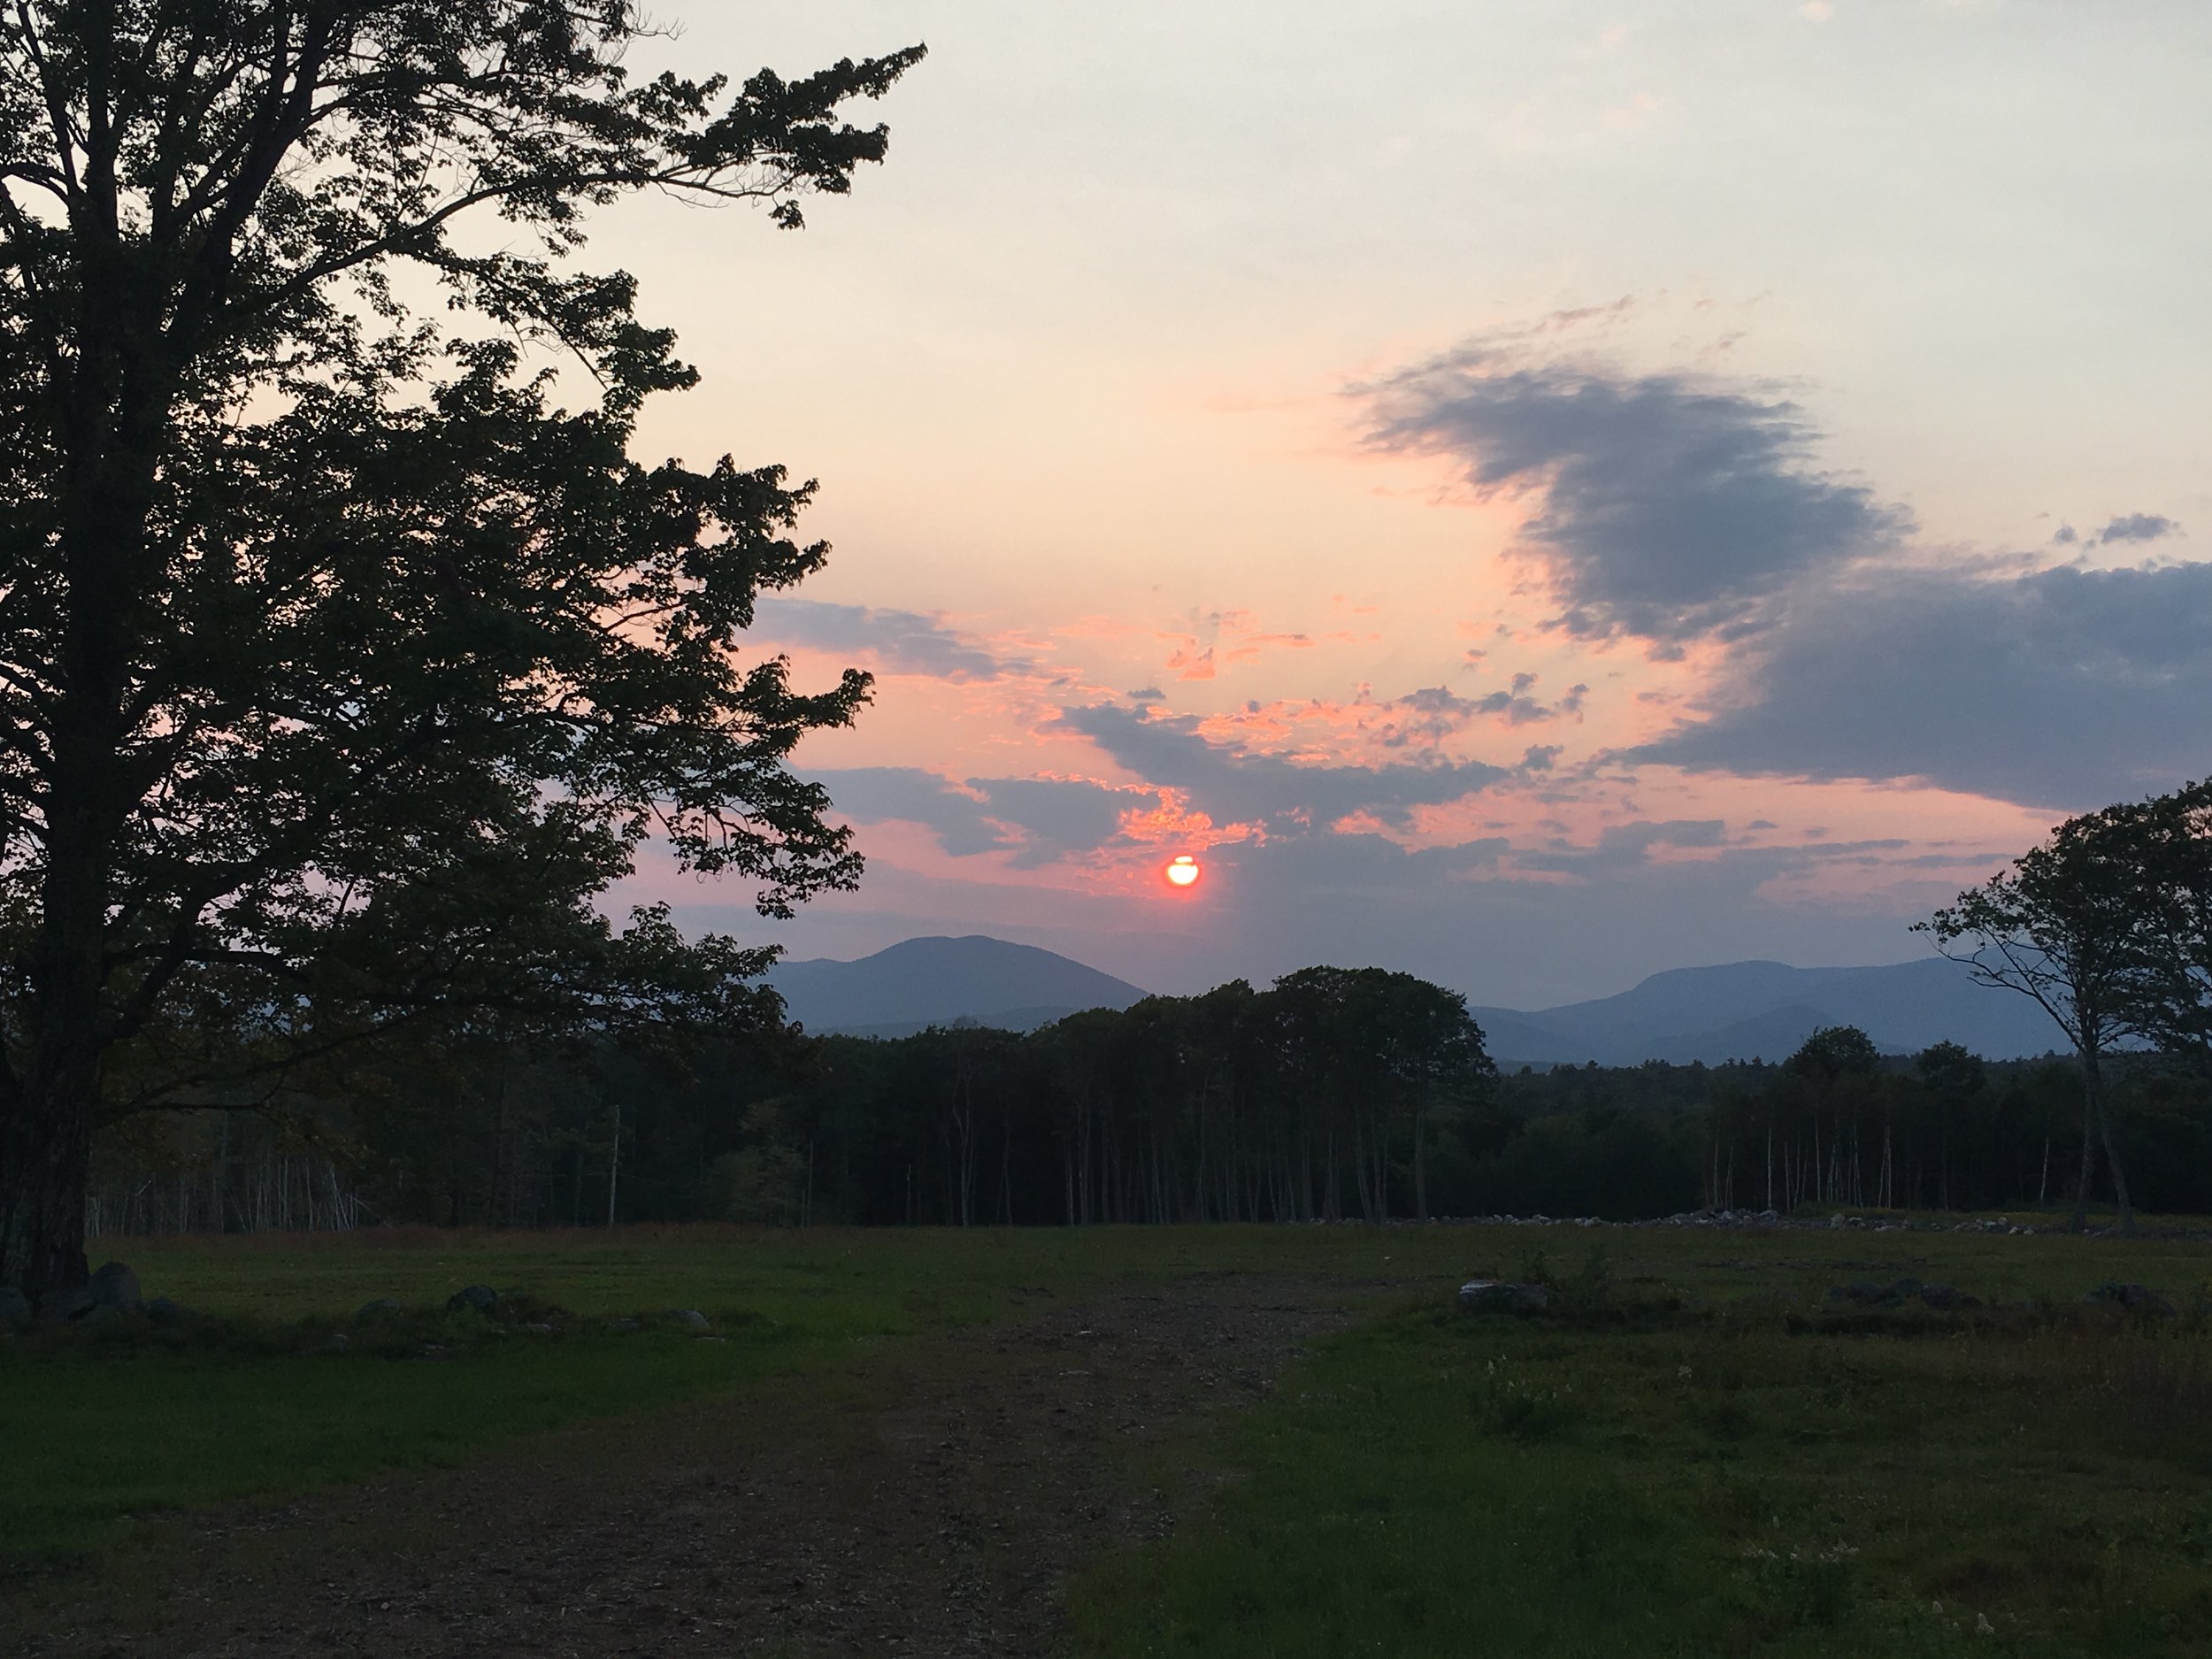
1183	872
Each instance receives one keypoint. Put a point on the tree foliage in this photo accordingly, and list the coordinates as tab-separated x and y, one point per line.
2108	926
346	654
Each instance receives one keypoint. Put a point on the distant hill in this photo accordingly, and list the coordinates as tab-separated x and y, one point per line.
1764	1009
1742	1011
935	981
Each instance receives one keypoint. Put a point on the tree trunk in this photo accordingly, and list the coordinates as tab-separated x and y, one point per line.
46	1116
1420	1151
2088	1138
46	1152
614	1163
2112	1157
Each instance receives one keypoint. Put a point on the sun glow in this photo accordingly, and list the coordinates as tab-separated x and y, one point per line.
1183	869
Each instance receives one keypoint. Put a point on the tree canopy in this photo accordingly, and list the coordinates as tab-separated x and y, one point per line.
346	653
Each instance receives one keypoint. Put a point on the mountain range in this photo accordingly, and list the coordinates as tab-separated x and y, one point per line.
1742	1011
935	981
1746	1010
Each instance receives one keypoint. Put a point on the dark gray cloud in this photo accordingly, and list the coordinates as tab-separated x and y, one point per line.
2139	526
2064	689
1235	785
1039	819
1058	815
1673	507
1427	717
871	794
1623	846
899	641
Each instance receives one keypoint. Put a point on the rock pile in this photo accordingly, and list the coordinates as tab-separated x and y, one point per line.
2134	1298
1866	1293
1496	1295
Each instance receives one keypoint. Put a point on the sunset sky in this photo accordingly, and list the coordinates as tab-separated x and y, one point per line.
1528	494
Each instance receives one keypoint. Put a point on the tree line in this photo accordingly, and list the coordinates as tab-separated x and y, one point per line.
1334	1095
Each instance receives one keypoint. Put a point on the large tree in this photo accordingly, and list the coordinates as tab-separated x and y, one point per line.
2167	992
2065	926
345	652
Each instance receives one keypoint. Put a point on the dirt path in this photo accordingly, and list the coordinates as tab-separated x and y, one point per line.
931	1501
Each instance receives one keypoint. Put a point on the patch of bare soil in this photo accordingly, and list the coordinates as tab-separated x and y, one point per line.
931	1499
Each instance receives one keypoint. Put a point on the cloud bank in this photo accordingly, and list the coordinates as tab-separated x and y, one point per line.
1672	508
1676	510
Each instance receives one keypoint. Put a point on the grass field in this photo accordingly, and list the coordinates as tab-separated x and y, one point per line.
1636	1475
1693	1454
118	1421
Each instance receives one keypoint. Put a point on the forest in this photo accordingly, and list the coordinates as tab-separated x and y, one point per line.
1333	1095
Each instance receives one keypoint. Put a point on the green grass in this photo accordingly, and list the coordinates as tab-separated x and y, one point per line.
1652	1476
119	1421
1403	1495
108	1424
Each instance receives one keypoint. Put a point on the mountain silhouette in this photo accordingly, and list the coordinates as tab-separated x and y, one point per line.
1740	1011
1745	1011
936	981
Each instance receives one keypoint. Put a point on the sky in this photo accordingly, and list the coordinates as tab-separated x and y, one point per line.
1528	495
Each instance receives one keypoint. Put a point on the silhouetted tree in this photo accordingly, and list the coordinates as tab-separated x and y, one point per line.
340	664
2064	926
2166	992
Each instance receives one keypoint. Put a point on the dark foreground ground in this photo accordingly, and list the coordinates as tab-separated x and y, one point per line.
932	1498
1125	1443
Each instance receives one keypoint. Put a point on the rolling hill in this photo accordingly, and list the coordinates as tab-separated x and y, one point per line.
1740	1010
935	981
1764	1009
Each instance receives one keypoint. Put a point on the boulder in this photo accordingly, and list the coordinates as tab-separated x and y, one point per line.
1496	1295
116	1286
2134	1298
64	1306
1943	1298
690	1318
161	1310
481	1297
1864	1293
383	1308
15	1307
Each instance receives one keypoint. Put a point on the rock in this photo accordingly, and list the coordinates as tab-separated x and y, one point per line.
622	1325
63	1306
540	1329
1865	1293
161	1310
116	1286
15	1307
383	1308
1943	1298
339	1343
2134	1298
1494	1295
481	1297
690	1318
